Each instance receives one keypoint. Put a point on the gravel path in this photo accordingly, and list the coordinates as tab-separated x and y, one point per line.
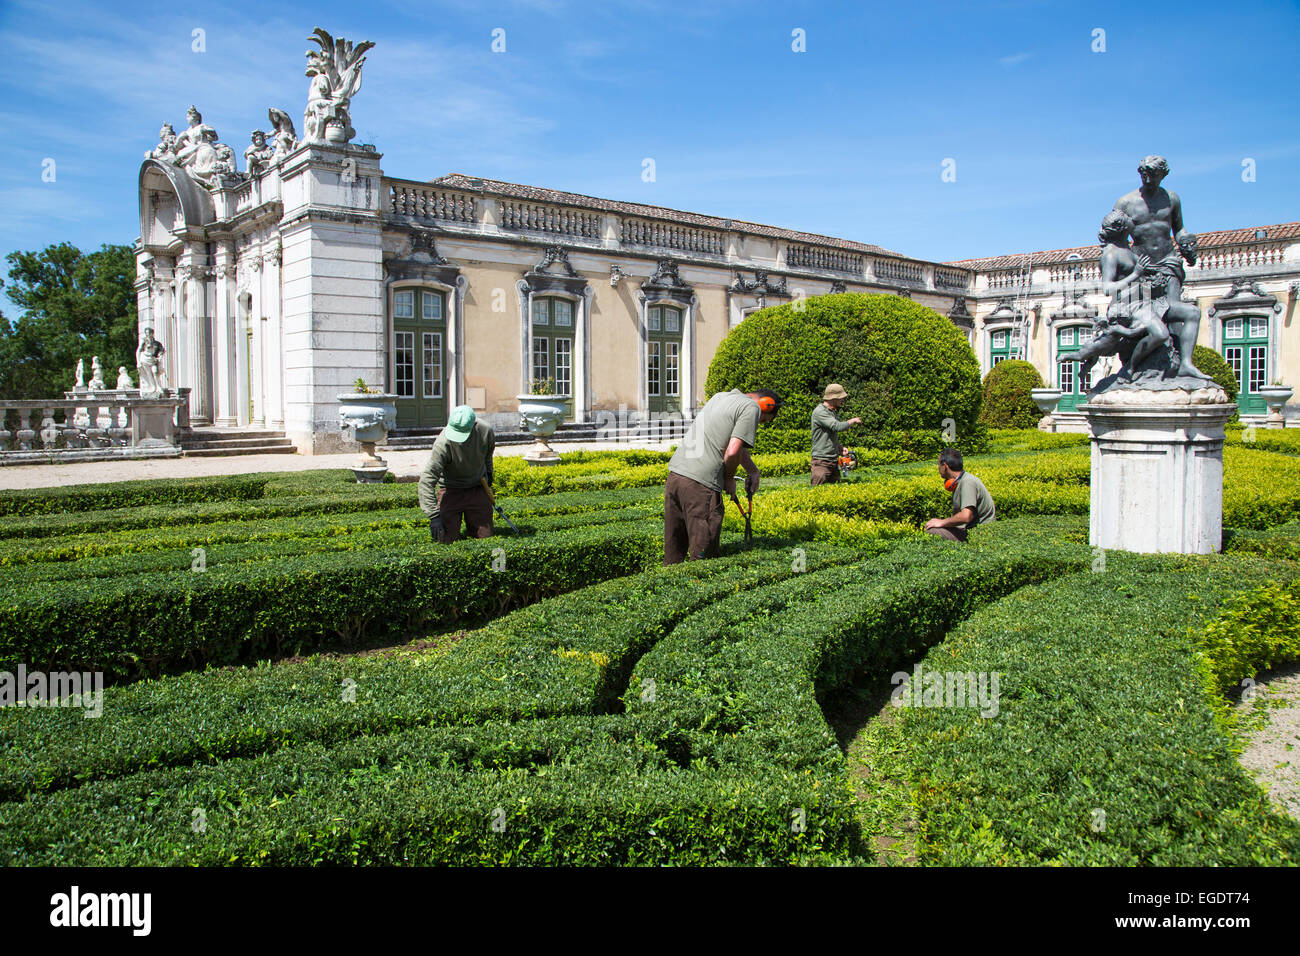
400	463
1273	754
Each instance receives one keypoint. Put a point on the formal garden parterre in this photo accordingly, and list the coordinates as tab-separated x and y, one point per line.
567	700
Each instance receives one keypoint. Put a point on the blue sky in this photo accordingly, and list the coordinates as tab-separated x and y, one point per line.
848	138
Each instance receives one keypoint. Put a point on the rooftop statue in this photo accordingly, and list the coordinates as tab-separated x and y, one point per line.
258	154
335	72
1148	324
197	151
286	137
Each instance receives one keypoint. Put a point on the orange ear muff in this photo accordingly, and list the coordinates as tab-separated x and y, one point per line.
949	484
767	404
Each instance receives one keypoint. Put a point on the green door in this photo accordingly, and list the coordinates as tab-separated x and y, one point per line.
419	358
1245	347
999	346
1073	385
664	358
553	346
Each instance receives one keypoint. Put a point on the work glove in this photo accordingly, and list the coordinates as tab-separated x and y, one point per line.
751	484
435	529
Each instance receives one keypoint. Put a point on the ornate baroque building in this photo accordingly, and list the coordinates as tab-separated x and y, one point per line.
275	288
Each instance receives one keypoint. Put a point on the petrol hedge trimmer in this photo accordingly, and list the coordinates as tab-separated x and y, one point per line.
848	461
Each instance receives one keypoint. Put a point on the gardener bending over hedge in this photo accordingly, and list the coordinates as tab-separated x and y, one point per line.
971	502
704	466
826	425
452	483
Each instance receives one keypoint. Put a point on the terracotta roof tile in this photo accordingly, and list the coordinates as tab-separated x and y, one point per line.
1207	240
538	194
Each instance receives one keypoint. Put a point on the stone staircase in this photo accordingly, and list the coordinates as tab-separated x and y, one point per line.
213	442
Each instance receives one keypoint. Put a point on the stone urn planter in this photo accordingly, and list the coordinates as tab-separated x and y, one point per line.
541	414
1276	397
1046	400
369	416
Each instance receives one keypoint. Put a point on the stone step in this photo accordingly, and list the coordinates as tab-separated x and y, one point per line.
285	449
235	443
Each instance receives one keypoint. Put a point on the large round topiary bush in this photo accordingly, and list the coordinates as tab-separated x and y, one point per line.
1216	366
1007	402
907	370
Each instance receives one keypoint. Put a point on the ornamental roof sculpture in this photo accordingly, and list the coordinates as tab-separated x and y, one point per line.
335	71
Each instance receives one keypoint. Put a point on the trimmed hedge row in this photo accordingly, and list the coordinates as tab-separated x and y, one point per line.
125	494
149	623
1104	749
566	655
668	782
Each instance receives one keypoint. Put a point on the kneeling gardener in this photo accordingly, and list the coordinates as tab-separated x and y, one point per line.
972	504
451	486
704	467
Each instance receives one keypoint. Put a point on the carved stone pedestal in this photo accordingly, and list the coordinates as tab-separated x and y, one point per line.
1157	470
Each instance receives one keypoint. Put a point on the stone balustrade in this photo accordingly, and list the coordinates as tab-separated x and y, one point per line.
1240	258
952	280
534	217
87	425
426	202
662	235
830	260
898	271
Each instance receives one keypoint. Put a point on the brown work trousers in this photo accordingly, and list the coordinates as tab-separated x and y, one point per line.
952	534
472	504
825	471
692	520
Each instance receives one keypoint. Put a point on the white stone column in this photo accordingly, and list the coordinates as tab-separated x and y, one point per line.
273	347
687	384
582	359
1157	470
226	350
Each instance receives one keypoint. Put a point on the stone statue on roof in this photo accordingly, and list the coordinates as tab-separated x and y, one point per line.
335	71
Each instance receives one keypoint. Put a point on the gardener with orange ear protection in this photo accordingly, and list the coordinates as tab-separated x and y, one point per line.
971	502
704	467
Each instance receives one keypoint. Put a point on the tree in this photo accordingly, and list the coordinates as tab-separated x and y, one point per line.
75	305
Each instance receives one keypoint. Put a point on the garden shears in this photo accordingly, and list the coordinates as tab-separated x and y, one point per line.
749	515
496	507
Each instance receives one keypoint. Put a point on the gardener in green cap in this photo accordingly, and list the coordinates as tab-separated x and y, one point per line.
452	483
826	426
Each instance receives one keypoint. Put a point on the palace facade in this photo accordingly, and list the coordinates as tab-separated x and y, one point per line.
276	288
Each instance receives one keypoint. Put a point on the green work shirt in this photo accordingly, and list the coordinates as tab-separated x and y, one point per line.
971	493
457	464
727	415
825	426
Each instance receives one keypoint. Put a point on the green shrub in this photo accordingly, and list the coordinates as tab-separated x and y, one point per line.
1006	400
1214	365
126	494
906	368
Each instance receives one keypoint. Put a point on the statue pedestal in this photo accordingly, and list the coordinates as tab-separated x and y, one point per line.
1157	470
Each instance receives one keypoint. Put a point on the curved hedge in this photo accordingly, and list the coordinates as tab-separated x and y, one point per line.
906	368
1007	402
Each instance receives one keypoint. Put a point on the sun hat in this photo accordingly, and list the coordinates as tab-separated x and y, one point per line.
834	391
459	424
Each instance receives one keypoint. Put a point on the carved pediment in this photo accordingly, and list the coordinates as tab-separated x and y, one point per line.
1246	295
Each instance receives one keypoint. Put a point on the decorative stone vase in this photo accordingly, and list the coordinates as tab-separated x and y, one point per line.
369	416
1046	400
1276	396
335	132
541	415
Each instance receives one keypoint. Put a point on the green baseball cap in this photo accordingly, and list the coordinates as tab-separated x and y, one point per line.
459	424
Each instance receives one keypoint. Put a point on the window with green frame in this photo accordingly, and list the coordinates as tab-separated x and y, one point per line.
1069	379
664	358
553	342
419	357
1245	349
999	346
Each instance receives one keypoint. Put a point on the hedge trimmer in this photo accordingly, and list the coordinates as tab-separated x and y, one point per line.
749	527
496	507
848	461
